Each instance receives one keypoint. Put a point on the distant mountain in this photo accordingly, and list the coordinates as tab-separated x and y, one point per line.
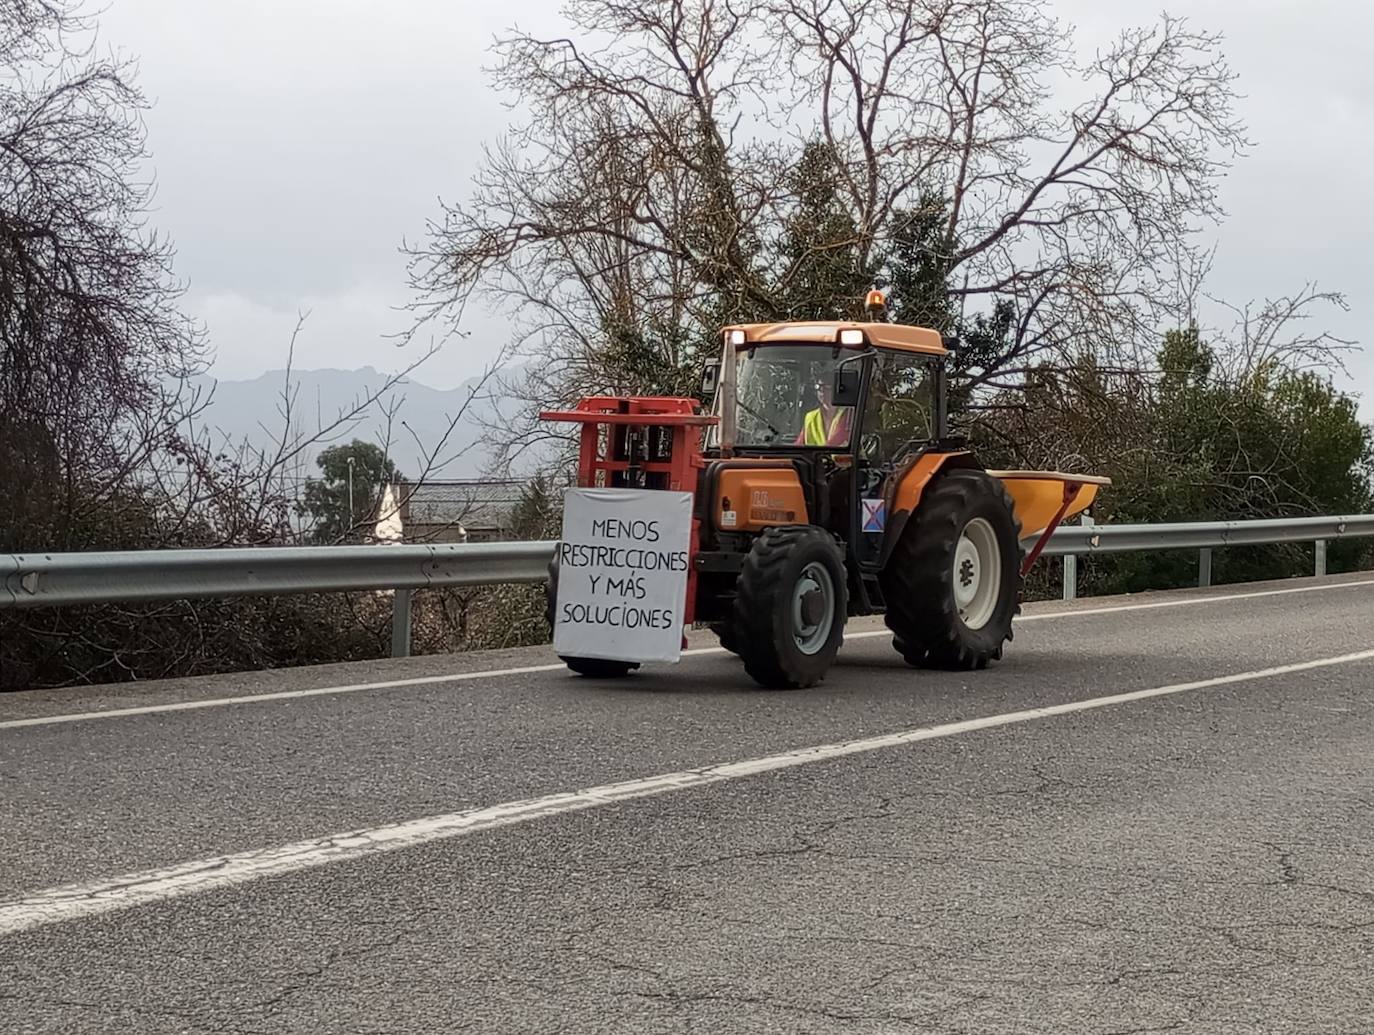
252	410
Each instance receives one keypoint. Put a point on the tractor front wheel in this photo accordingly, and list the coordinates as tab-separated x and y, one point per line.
725	633
790	607
952	583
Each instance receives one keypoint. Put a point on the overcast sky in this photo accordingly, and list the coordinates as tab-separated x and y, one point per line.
296	142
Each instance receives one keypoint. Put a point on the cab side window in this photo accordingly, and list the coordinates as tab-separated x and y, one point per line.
900	407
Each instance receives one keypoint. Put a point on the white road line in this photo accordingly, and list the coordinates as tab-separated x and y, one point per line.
220	702
1217	598
460	677
75	901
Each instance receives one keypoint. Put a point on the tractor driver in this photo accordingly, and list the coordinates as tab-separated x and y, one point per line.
827	424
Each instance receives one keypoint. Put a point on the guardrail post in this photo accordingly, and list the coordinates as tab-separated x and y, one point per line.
400	623
1204	567
1071	565
1321	557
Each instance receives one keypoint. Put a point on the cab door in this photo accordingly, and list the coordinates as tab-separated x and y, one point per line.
899	419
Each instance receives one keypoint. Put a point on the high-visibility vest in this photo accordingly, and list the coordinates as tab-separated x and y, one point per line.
814	433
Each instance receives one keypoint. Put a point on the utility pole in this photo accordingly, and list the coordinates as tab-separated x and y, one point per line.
350	494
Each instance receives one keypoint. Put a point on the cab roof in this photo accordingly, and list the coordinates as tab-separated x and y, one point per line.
880	335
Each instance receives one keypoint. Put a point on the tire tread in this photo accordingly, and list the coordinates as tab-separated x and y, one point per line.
758	624
917	579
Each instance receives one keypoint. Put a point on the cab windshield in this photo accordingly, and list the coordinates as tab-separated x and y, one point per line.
783	396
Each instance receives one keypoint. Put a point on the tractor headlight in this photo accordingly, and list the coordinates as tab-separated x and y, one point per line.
851	336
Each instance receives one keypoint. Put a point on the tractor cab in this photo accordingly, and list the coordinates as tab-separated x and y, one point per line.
847	405
866	387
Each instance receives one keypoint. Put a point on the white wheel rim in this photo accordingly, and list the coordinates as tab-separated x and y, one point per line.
977	574
811	637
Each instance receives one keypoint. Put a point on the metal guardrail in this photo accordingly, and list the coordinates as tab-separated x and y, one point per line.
42	580
1071	541
136	576
57	579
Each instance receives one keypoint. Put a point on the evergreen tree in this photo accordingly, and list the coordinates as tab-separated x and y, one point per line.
326	499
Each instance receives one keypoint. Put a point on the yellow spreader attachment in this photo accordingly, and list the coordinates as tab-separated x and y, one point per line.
1041	500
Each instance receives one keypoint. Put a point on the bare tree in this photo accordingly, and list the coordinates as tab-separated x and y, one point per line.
104	434
648	188
1276	334
90	331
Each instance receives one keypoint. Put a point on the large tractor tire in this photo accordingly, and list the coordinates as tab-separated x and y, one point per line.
725	632
790	607
592	668
952	585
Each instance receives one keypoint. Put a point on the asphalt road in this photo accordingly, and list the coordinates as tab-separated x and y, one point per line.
1193	852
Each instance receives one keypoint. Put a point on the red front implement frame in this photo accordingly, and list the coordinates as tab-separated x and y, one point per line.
642	443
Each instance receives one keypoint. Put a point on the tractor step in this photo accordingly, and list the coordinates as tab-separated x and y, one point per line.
868	595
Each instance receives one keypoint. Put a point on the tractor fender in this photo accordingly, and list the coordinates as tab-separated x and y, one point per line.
908	485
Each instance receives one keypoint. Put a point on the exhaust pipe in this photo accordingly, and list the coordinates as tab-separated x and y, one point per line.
726	392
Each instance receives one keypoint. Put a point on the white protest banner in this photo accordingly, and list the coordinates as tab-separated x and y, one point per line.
622	574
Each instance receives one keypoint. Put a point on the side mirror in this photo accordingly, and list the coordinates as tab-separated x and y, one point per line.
845	391
951	342
710	379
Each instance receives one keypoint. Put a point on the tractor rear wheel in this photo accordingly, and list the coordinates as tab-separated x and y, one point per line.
790	607
952	583
592	668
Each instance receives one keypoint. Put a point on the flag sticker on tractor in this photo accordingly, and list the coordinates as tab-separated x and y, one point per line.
875	515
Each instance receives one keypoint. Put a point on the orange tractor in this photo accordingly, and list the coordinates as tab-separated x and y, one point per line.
826	484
